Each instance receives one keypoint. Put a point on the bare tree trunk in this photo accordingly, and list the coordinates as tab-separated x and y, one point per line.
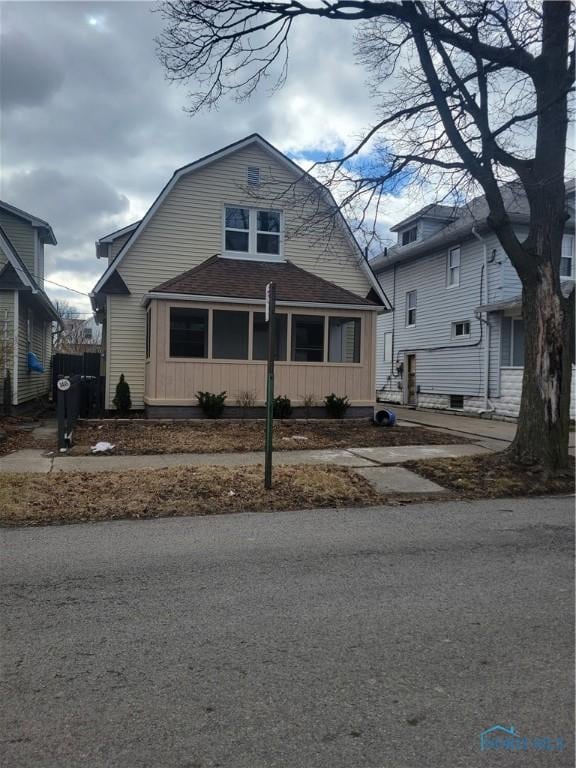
543	421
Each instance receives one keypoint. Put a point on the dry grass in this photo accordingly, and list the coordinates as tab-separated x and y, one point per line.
491	476
30	499
232	437
18	438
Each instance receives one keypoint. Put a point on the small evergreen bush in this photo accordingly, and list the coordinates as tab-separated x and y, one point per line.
282	408
212	405
336	406
122	399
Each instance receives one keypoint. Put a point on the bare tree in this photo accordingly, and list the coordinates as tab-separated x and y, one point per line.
474	91
75	334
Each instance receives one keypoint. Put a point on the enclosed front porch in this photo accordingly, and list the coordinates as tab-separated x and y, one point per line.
194	346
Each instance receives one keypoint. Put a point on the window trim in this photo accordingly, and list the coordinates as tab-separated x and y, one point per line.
461	335
449	267
384	358
252	254
414	308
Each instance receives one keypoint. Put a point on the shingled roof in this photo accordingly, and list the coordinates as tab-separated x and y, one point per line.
247	279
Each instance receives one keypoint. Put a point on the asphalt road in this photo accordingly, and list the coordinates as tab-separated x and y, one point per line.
384	637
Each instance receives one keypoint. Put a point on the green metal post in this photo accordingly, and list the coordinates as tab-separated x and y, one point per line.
270	310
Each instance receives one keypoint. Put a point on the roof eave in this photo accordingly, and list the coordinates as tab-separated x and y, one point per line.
164	295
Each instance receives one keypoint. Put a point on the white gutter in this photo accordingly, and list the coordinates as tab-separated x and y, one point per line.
259	302
488	407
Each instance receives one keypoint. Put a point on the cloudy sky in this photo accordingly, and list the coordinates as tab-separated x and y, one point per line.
91	130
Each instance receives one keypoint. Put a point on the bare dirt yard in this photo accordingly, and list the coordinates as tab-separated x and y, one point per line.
27	499
491	476
131	438
16	435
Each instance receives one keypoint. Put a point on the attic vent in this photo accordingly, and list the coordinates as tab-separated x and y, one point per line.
253	175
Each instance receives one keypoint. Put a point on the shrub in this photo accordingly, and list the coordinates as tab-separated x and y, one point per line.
282	407
308	403
247	399
122	399
212	405
336	406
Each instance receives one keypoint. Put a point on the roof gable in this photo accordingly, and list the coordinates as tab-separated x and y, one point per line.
34	221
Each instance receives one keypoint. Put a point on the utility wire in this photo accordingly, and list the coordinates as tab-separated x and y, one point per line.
52	282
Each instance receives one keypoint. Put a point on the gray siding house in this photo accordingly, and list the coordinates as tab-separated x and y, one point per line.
26	313
454	339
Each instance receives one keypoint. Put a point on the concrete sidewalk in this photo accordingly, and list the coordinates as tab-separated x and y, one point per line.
37	461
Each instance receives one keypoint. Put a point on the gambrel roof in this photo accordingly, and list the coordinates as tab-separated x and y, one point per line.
218	155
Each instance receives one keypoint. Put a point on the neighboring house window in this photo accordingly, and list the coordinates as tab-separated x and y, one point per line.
567	260
344	340
253	231
388	347
188	332
411	308
148	331
260	337
307	338
88	334
512	344
410	235
453	267
230	335
461	329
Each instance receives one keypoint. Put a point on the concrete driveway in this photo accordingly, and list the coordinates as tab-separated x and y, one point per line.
382	637
492	433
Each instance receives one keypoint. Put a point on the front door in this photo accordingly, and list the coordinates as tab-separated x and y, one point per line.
411	379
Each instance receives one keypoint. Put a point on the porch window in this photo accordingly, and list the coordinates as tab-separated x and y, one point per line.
453	276
260	337
188	332
512	345
307	338
344	340
229	335
566	261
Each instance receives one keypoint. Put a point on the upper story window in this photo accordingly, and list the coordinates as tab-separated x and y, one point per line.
567	260
410	235
453	271
410	309
254	232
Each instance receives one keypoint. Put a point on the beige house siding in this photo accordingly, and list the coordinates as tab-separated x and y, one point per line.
22	236
175	381
187	229
117	245
30	383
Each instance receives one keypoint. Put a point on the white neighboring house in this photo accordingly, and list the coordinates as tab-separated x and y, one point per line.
454	339
26	313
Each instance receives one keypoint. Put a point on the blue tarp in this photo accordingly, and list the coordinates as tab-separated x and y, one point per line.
34	364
